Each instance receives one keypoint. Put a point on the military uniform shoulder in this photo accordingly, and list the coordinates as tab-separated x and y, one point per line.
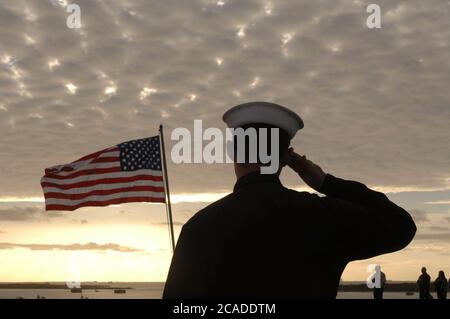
208	211
306	201
301	194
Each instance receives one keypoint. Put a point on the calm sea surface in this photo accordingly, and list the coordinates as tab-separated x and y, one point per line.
147	291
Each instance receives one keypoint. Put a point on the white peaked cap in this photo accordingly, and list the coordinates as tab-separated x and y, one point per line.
264	113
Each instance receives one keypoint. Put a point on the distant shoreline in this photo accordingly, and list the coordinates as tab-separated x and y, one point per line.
56	286
343	287
390	286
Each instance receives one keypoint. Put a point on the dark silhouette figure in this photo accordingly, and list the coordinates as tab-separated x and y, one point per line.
267	241
441	285
378	291
424	284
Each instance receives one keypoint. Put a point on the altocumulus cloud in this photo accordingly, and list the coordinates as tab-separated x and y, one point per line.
419	216
375	100
87	246
443	236
27	213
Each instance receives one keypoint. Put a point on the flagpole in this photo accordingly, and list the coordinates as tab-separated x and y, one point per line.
166	187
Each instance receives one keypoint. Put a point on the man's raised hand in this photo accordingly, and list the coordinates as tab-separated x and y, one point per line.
311	173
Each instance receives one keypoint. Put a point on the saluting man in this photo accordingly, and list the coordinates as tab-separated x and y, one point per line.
267	241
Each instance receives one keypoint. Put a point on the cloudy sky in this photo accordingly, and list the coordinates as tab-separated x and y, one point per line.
376	106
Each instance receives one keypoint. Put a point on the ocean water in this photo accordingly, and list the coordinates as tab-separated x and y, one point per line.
150	291
138	291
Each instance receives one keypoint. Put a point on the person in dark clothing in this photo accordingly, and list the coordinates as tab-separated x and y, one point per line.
440	285
424	284
267	241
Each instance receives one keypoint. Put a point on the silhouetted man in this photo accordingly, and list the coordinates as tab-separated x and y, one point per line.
424	284
267	241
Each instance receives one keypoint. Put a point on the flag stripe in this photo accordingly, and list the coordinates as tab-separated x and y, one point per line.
96	198
102	192
80	190
111	180
83	168
105	203
106	159
93	171
141	172
96	154
112	153
77	164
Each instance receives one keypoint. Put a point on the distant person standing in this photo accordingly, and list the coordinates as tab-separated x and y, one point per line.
440	285
424	284
378	291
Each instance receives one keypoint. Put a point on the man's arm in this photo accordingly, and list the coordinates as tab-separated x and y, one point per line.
365	222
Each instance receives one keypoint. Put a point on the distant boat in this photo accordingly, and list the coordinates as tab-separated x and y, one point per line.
120	291
76	290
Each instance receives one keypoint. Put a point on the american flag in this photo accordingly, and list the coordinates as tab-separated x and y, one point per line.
128	172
